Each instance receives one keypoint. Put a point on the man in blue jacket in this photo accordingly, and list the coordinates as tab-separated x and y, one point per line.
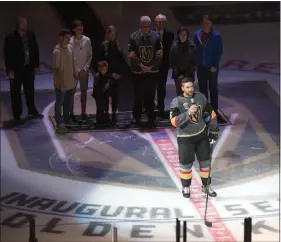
208	54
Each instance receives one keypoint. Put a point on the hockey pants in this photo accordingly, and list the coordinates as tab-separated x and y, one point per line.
187	151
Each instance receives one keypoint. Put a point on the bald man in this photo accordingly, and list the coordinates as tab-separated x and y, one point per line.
145	54
21	55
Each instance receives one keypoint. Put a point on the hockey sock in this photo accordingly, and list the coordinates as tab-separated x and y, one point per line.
186	176
204	173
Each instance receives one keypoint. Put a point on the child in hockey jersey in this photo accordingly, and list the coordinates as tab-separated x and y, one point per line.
101	92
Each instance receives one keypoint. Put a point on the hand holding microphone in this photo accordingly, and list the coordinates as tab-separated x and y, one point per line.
193	107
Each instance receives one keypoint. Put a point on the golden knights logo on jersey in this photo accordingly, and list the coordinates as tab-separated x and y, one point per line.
195	118
146	53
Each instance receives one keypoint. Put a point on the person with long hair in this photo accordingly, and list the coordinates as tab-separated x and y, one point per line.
182	58
111	52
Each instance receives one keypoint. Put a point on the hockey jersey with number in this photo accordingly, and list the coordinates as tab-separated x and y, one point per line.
192	125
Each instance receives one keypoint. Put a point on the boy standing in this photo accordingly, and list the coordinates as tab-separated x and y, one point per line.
101	92
64	79
82	49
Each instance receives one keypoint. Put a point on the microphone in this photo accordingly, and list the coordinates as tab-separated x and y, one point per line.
193	103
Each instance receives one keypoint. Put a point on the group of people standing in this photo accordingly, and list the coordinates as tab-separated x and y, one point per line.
72	60
152	52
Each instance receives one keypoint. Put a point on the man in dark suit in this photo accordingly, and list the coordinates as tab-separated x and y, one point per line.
21	55
167	38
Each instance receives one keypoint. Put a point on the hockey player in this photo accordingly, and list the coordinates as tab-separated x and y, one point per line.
196	125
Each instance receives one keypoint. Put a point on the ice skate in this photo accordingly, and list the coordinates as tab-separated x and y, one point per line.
186	192
212	193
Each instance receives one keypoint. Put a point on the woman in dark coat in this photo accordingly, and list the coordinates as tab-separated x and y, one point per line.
182	58
110	52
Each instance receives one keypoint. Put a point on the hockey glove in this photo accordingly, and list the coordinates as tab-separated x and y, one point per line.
213	135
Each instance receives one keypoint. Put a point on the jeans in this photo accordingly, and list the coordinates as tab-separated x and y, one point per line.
63	99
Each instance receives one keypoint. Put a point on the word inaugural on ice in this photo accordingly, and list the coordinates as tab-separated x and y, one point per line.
58	212
53	206
78	209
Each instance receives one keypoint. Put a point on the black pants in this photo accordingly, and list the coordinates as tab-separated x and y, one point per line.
101	99
199	146
161	89
113	93
24	77
204	75
144	92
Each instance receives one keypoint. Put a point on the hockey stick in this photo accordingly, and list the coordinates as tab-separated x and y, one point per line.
208	223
